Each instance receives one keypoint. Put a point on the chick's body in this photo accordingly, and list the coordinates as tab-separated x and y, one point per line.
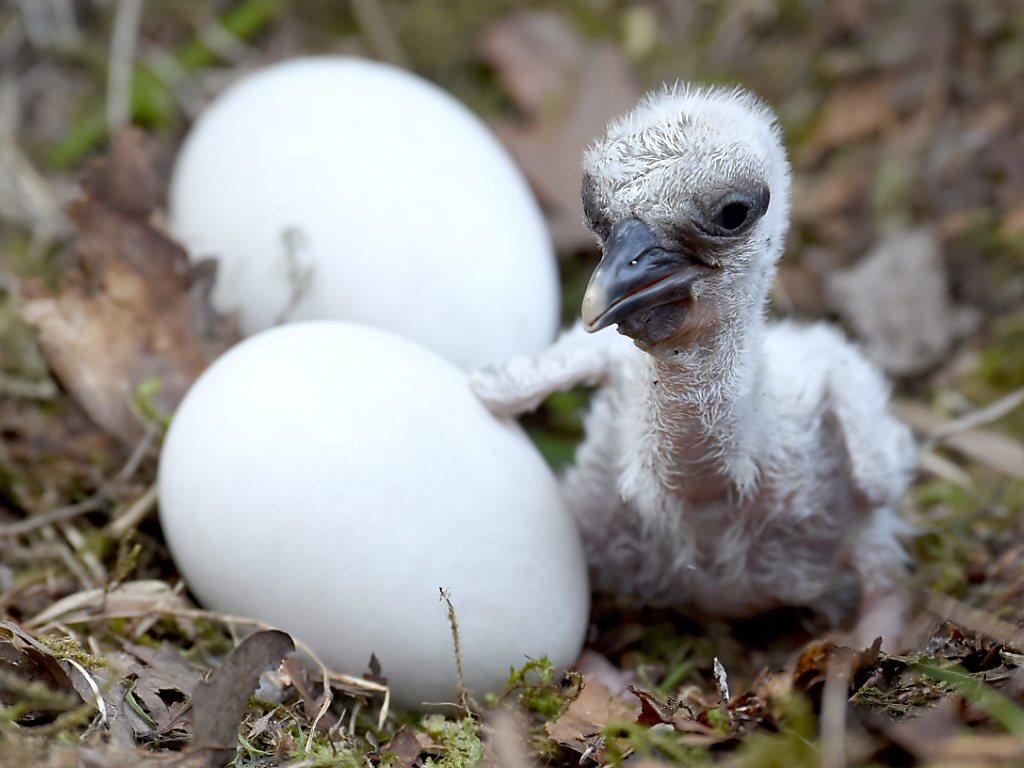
663	522
730	465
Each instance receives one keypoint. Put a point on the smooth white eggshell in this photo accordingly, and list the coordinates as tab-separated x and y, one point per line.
411	216
328	478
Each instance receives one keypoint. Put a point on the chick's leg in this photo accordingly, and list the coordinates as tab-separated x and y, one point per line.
523	383
881	568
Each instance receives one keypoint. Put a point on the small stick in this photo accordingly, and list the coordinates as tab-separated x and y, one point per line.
980	417
74	537
44	389
120	67
457	644
137	455
139	508
135	513
833	714
328	698
58	515
101	705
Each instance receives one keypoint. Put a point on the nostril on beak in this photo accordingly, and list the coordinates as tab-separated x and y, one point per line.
636	273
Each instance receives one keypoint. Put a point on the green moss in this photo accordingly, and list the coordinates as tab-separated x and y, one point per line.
326	754
67	648
556	428
945	493
145	400
993	243
459	740
1002	362
719	719
540	689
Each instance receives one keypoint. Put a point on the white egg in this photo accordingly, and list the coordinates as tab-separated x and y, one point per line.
329	478
338	188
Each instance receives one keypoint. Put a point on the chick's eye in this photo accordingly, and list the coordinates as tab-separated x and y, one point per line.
732	216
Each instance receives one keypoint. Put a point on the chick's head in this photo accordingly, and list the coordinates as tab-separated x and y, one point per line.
688	196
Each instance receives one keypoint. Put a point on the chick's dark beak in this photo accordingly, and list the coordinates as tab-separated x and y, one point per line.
636	273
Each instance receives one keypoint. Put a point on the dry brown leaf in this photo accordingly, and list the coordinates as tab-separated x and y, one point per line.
217	705
134	309
164	682
811	667
537	56
402	750
652	711
25	658
592	710
853	112
582	88
896	300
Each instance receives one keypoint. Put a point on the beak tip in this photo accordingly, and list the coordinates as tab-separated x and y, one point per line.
593	307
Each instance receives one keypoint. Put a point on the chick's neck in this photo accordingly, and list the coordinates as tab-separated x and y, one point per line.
707	408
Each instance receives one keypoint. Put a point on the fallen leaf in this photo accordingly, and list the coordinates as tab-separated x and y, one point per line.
852	112
568	91
164	683
25	659
811	667
537	56
402	750
652	711
826	205
133	310
896	300
584	718
217	705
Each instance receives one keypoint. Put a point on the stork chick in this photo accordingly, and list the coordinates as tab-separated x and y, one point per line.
730	465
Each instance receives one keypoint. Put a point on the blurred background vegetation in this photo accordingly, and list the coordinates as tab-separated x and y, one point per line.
905	124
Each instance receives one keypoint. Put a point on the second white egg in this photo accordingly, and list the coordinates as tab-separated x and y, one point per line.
346	189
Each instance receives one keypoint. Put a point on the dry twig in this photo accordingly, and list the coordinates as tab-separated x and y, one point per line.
121	63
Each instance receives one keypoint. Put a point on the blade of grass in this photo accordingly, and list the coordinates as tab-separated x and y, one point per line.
675	676
999	707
